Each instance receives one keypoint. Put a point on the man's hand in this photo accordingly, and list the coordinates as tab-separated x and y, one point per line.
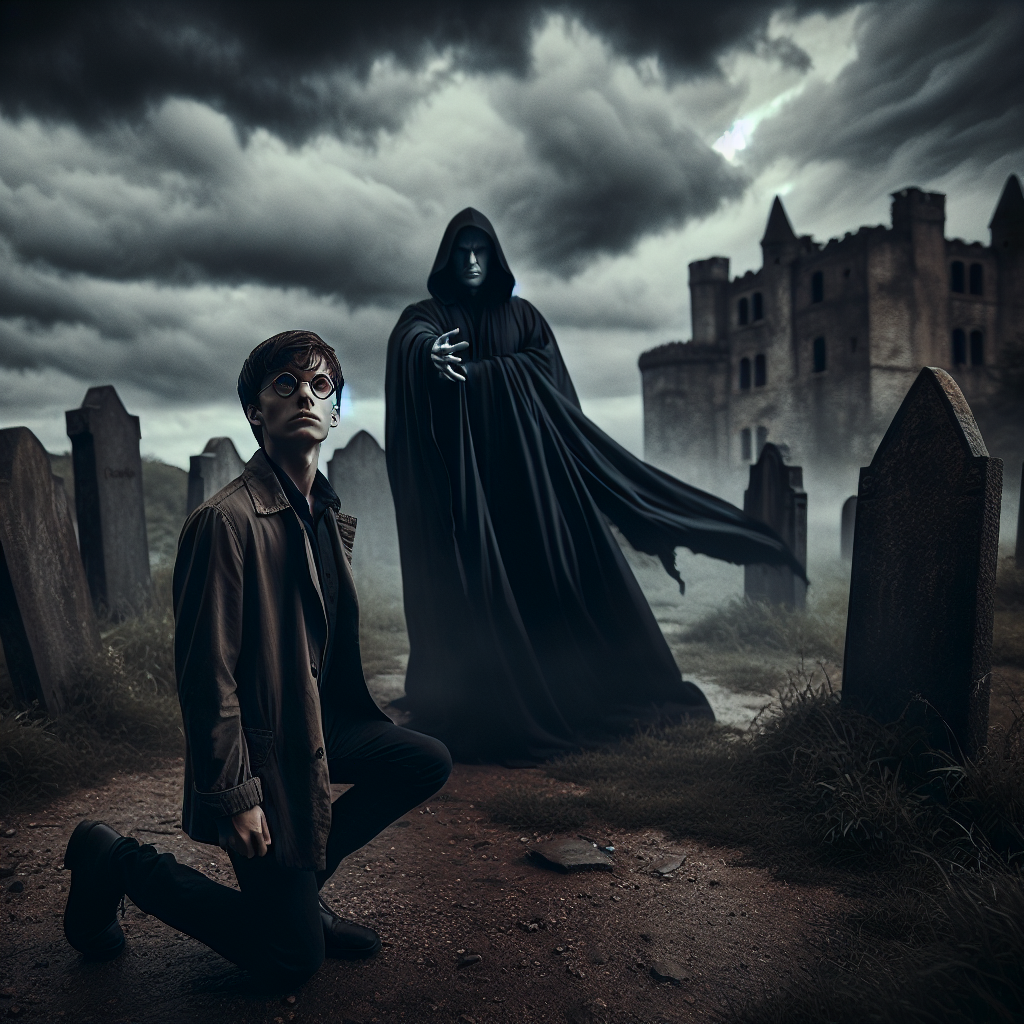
247	833
441	352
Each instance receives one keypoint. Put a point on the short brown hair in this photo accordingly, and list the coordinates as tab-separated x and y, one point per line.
300	350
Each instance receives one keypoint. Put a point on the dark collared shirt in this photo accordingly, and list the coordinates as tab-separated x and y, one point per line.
324	498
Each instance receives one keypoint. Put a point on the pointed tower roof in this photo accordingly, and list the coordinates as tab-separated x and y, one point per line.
779	229
1010	209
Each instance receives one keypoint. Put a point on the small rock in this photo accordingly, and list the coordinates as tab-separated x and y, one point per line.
289	1000
669	864
464	1018
14	1010
16	886
11	833
572	855
669	970
469	960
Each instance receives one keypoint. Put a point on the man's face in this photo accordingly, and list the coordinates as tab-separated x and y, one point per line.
472	254
300	418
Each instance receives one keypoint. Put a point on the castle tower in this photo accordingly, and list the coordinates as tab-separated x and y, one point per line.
709	281
780	249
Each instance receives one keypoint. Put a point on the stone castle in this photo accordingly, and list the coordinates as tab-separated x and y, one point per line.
816	350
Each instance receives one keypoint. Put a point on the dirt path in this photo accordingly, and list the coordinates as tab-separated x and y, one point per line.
439	885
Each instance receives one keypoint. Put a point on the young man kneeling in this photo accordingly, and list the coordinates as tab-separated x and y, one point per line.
274	704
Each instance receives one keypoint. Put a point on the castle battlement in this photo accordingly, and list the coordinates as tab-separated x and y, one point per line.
817	347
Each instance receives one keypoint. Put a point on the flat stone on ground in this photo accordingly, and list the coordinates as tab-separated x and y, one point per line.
669	864
669	970
573	855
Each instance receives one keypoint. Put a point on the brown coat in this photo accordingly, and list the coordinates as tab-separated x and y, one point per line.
249	641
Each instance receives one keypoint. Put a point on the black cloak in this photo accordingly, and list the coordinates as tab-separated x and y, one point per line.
528	632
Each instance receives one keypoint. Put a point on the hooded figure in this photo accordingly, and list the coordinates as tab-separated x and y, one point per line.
529	635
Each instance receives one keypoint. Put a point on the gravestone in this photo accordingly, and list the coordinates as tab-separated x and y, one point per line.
775	495
1019	552
215	468
109	502
47	622
919	629
849	519
359	473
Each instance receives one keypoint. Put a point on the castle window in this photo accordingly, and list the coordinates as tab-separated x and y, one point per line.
743	312
817	287
956	276
745	444
977	348
758	306
744	374
819	355
977	279
760	371
762	439
959	348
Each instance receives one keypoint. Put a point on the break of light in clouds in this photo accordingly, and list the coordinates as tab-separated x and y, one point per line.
150	240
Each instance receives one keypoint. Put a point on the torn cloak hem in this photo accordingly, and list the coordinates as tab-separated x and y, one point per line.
529	635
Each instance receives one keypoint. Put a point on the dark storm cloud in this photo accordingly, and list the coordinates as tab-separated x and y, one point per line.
294	68
941	80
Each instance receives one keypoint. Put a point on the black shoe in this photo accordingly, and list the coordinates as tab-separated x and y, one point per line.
344	940
90	917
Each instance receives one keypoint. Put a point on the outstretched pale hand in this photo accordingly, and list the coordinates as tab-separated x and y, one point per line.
442	352
247	833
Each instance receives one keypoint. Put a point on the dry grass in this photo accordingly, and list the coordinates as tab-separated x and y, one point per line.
122	712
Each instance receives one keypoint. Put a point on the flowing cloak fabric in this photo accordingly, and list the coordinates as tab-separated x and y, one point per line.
528	632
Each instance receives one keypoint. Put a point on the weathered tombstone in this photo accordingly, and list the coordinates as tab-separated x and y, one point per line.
47	622
776	496
215	468
359	473
109	502
919	629
1019	553
849	519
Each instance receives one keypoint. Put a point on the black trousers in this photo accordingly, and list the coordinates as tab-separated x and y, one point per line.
272	926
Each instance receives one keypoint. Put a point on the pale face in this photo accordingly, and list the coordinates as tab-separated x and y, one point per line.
471	255
301	418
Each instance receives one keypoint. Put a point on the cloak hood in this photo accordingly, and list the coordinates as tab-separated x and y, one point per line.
443	284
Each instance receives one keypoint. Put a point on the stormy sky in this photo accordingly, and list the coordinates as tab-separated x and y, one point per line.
179	181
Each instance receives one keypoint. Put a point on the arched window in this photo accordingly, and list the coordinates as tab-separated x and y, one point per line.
977	279
956	276
959	348
745	444
758	306
817	287
977	348
760	371
762	439
744	374
742	311
820	357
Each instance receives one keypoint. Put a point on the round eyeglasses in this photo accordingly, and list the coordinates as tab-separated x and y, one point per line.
285	384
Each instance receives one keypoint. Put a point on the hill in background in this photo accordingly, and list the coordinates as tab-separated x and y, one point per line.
165	491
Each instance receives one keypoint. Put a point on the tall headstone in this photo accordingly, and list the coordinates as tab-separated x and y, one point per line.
47	622
1019	552
849	519
215	468
359	473
775	495
108	499
919	629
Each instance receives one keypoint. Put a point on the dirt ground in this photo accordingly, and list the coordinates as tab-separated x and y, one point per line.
439	885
